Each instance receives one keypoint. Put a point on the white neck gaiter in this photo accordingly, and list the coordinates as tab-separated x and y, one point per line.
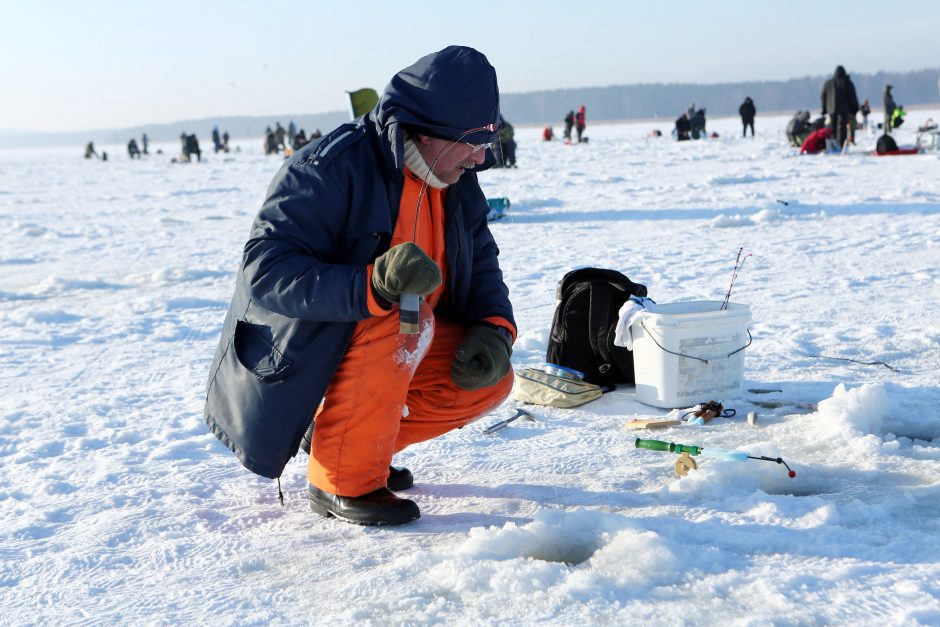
419	167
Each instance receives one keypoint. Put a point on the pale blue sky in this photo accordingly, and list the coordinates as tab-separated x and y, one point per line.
77	65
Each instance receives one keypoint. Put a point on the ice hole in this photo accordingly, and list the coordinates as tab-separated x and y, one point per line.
571	551
926	433
803	486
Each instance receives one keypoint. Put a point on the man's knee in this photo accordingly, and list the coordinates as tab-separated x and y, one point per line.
500	391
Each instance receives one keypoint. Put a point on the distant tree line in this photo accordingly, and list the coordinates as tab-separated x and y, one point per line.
667	101
616	102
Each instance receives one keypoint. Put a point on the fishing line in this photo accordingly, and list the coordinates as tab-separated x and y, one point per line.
409	303
443	151
790	472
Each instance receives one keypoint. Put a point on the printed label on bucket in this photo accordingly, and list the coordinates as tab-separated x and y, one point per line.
716	378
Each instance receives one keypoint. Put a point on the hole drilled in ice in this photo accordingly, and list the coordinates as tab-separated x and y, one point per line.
844	485
564	551
563	537
811	484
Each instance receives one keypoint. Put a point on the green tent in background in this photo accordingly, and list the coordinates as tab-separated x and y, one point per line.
362	101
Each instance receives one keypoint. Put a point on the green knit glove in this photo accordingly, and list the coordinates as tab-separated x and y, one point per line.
404	268
482	359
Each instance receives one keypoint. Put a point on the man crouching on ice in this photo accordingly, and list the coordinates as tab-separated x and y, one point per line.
386	205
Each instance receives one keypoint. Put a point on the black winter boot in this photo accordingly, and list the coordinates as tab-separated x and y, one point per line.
379	507
399	479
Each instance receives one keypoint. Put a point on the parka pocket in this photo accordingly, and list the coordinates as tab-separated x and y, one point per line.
365	248
256	353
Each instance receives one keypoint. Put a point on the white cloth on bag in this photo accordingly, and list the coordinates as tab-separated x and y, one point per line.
632	310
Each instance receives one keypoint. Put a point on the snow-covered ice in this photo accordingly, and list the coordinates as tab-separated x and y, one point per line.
117	505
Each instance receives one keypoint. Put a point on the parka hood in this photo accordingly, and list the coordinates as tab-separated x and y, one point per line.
839	74
446	94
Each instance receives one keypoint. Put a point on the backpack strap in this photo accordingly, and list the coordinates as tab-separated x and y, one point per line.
598	312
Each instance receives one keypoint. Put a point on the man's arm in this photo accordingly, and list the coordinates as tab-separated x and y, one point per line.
489	296
291	259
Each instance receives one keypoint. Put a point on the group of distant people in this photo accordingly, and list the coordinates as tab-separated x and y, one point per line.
799	127
576	121
189	147
838	121
280	139
894	113
835	126
274	140
691	124
90	152
133	149
219	142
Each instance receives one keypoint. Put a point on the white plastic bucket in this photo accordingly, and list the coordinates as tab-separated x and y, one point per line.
689	353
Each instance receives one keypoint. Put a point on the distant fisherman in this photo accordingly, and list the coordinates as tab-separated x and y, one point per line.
580	122
747	110
840	102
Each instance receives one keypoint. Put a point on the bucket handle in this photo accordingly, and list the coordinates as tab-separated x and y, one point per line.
750	339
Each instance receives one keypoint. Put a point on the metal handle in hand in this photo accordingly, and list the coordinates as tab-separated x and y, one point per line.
409	305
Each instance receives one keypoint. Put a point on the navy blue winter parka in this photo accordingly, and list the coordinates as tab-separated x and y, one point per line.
329	212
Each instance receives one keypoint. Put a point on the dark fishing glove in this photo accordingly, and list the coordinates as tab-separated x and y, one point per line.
404	268
482	359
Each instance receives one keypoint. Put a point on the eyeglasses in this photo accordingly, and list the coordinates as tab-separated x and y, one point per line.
479	147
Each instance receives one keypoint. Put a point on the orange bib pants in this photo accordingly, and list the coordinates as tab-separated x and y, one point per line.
393	390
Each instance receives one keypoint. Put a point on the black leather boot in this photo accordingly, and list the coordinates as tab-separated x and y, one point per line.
379	507
399	479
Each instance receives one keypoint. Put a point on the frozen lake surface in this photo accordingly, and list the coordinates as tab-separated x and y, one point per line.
117	505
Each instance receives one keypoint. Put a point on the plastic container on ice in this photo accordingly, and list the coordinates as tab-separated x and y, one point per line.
689	353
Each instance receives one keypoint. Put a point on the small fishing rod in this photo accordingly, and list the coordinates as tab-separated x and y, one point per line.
738	266
719	453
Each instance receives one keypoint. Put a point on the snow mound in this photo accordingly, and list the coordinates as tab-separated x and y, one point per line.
856	412
764	216
579	552
851	422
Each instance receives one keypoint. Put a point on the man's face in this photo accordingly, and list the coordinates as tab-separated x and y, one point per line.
452	158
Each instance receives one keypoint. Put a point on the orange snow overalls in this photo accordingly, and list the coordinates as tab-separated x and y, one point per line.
393	390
